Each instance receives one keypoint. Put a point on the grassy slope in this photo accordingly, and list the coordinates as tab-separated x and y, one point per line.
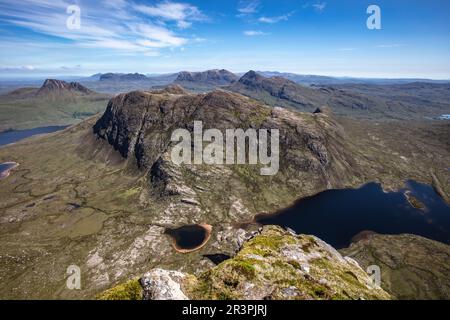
412	267
25	111
40	224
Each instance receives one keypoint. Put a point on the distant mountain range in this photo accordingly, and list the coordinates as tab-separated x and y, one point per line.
123	77
370	101
305	93
327	80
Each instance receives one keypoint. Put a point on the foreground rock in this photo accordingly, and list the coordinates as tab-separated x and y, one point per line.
412	267
275	264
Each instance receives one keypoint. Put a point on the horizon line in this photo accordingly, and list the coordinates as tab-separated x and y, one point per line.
24	77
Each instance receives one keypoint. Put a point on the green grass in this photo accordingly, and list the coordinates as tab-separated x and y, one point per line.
26	111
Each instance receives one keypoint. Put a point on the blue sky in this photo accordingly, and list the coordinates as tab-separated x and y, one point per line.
325	37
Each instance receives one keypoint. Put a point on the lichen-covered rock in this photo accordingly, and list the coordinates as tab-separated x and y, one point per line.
412	267
159	284
277	264
274	264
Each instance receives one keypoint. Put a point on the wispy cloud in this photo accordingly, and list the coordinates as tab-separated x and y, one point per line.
275	19
181	13
18	68
319	6
393	45
253	33
110	24
248	6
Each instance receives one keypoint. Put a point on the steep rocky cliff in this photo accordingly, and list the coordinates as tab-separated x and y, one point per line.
314	153
273	264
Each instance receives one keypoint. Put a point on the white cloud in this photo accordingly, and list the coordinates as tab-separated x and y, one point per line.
112	24
182	13
275	19
319	6
117	4
252	33
19	68
157	36
394	45
248	6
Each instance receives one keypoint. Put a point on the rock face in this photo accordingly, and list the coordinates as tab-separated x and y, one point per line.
412	267
139	125
209	78
274	264
159	284
52	87
171	89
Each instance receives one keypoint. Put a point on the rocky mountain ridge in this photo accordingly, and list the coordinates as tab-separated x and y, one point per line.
272	264
60	87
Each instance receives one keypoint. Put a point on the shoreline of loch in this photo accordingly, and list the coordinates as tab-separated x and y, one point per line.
208	232
6	173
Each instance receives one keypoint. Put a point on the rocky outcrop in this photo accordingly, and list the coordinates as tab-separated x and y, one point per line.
138	124
172	89
274	264
52	86
210	77
159	284
412	267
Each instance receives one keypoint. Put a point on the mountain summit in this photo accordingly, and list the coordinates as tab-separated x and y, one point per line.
52	86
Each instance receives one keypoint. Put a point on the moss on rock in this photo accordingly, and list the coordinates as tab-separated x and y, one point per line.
131	290
279	265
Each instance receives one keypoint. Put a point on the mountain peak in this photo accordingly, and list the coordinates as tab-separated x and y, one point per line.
251	77
53	85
